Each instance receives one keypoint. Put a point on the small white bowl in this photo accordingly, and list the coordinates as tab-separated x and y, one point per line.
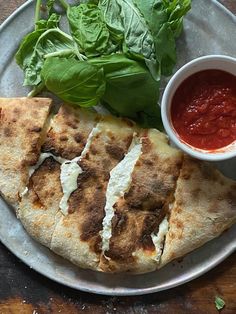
216	62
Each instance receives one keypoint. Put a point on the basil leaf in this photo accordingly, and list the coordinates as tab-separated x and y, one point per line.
76	82
25	56
220	303
25	50
128	25
130	89
164	18
89	30
52	22
53	40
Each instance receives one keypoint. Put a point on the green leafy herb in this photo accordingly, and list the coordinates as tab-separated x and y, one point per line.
131	90
52	22
76	82
89	30
128	25
164	19
51	41
28	44
116	55
220	303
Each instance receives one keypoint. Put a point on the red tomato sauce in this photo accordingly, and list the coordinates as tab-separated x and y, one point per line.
203	109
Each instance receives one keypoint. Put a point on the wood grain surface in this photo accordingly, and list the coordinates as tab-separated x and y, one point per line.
23	291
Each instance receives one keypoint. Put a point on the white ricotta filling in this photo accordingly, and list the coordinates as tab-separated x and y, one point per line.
119	183
70	170
42	157
158	239
26	190
95	131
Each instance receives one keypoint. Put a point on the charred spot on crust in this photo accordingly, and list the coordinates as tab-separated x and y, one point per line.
72	124
7	132
63	138
93	149
94	216
78	137
114	151
36	129
151	224
39	179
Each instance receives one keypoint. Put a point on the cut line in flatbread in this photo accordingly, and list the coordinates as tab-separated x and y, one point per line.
118	185
204	206
138	220
77	235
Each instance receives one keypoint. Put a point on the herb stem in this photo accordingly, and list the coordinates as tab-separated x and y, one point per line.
37	11
61	53
36	90
64	4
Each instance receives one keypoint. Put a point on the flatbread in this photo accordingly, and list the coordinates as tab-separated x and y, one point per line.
77	235
204	206
67	136
22	124
140	211
137	203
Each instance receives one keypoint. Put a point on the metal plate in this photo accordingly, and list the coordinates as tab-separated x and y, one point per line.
208	29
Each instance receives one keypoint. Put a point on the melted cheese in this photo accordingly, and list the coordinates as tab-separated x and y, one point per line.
70	170
158	239
42	157
119	183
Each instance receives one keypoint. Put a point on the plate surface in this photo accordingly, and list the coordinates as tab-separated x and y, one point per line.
211	33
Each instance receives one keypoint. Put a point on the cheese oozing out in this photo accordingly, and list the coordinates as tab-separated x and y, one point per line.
119	183
70	170
41	159
158	239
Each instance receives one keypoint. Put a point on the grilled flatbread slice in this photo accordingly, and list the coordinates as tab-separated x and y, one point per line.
204	206
39	209
77	234
22	125
135	242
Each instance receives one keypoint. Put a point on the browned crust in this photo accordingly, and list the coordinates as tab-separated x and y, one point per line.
20	141
139	213
69	131
205	206
88	201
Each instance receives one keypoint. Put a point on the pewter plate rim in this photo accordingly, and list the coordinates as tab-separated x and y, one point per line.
91	286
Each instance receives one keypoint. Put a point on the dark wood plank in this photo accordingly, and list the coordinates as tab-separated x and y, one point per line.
22	290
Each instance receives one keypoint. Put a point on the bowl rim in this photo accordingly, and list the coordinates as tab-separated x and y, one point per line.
166	103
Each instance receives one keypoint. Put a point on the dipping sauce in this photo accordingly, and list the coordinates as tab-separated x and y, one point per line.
203	109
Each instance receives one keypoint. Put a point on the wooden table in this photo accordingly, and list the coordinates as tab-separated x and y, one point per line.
23	291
